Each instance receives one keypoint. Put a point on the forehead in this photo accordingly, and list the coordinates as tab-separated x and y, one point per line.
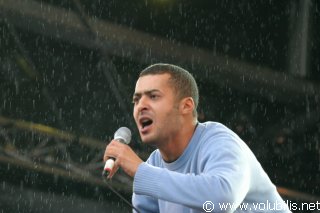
153	82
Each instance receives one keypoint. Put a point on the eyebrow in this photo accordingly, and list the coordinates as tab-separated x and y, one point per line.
147	92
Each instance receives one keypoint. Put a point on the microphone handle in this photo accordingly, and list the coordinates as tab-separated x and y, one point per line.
108	167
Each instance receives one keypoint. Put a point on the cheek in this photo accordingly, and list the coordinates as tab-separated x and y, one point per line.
134	113
165	114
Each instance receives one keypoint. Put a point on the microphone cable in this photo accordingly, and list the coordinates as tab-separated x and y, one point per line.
119	195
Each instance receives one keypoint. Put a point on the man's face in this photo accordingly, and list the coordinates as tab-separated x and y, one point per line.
156	111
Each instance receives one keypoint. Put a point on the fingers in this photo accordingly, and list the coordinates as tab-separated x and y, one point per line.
112	151
124	157
114	170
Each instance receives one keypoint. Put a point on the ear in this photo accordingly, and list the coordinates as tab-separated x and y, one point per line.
187	105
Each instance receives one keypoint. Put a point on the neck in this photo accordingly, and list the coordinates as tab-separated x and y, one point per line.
175	146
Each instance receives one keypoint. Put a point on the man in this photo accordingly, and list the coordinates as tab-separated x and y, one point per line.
196	167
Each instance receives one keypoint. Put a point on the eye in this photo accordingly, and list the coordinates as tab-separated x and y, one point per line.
135	100
153	96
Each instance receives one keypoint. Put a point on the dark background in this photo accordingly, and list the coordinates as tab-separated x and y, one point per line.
68	71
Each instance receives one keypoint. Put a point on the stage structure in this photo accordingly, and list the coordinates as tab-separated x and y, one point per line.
45	142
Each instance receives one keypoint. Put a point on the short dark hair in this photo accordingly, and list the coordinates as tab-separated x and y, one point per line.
181	80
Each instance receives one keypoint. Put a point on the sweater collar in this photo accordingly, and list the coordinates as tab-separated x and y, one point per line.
188	151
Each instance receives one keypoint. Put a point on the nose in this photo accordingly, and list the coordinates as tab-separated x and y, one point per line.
142	105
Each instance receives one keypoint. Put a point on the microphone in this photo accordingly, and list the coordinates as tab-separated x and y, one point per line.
123	135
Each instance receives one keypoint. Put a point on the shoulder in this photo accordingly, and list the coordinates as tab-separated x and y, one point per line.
216	130
219	137
221	147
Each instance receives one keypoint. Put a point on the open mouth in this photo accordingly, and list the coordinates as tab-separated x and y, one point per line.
145	123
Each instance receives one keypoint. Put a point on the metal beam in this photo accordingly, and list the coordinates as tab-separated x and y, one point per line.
35	154
126	42
298	45
51	132
82	176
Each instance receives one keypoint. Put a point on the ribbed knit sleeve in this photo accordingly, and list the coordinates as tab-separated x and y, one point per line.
146	180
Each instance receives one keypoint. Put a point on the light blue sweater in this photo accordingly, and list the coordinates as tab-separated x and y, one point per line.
217	167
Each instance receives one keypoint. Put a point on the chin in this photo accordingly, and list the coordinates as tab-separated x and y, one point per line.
147	140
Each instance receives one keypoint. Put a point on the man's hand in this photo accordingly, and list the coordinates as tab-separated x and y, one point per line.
125	157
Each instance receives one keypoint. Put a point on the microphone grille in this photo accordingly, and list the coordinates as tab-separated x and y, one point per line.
123	134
